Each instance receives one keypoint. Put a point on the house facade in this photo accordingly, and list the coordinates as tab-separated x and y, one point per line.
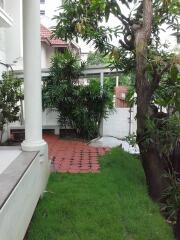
11	34
11	38
51	45
48	8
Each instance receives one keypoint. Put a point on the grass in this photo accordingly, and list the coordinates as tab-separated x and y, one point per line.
112	205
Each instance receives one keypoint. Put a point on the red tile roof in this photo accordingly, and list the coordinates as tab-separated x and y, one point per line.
46	37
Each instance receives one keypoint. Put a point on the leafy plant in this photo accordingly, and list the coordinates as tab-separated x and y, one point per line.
66	67
171	197
95	58
168	93
164	132
10	96
131	139
80	107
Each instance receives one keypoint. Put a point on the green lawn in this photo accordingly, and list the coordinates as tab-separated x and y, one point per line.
112	205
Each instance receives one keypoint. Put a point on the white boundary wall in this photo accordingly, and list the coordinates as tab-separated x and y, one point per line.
49	121
118	123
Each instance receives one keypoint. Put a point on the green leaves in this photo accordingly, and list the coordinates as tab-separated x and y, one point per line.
66	67
164	133
96	58
168	93
174	73
80	107
85	19
107	12
10	95
171	197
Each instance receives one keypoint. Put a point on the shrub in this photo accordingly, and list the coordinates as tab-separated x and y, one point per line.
10	96
171	197
79	106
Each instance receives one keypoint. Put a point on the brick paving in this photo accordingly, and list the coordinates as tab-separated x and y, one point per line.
74	156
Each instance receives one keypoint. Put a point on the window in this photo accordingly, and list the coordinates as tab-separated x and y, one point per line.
42	12
42	1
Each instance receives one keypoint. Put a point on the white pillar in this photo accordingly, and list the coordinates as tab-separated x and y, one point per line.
117	81
32	76
102	79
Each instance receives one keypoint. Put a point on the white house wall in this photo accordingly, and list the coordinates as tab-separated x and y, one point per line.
13	43
50	118
50	52
50	6
2	51
14	33
43	56
46	54
5	134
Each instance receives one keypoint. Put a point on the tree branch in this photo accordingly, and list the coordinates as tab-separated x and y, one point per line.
124	45
157	76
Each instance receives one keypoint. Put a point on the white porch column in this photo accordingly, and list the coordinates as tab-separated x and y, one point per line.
102	79
117	81
32	76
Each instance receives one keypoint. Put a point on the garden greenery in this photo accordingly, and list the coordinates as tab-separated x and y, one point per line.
138	27
79	106
10	97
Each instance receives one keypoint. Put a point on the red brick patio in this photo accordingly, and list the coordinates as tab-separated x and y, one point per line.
74	156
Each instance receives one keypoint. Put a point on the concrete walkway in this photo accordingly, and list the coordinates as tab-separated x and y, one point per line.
114	142
74	156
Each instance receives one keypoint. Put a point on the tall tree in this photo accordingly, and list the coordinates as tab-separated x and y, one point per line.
138	34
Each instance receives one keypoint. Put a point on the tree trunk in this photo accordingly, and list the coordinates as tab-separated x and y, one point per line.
177	229
1	134
154	169
175	159
150	158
